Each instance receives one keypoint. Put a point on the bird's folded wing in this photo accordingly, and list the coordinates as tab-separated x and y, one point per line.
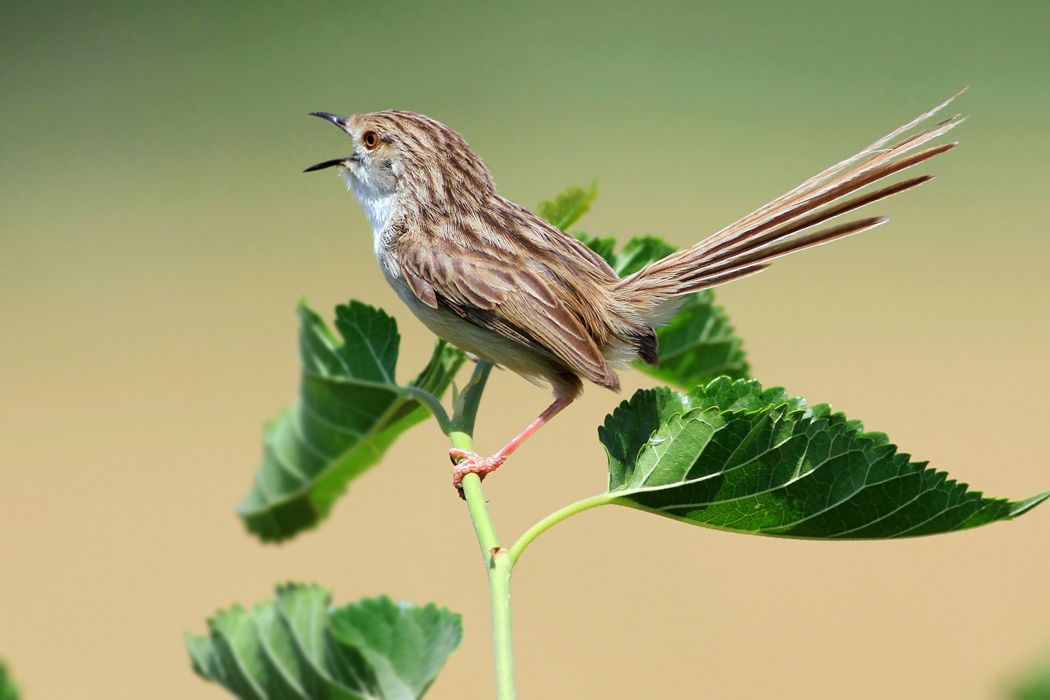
504	296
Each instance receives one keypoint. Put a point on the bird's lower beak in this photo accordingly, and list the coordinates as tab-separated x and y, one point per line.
329	164
344	124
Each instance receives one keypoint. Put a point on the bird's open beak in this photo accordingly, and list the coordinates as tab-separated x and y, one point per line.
344	124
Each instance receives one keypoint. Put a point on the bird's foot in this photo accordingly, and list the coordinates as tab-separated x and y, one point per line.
467	462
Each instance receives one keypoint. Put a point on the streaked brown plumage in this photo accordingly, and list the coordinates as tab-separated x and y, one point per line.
496	280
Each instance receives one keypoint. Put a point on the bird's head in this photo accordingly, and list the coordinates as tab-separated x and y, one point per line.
409	156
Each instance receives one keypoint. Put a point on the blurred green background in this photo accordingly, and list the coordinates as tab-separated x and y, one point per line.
156	232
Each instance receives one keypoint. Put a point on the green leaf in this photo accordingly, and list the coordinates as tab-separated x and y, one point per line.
8	689
605	247
297	647
639	252
636	254
567	208
349	411
736	457
1033	685
698	344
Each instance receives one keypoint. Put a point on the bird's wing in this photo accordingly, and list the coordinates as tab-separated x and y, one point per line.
513	286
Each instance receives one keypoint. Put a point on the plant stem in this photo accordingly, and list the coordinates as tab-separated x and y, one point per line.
502	638
465	407
499	566
553	519
433	404
479	513
497	560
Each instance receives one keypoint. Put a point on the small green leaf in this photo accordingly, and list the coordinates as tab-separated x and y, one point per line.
8	690
567	208
299	648
1033	685
639	252
736	457
636	253
350	410
698	344
605	247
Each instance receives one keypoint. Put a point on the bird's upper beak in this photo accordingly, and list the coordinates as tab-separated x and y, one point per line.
344	124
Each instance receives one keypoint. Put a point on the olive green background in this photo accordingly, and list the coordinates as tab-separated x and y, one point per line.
156	232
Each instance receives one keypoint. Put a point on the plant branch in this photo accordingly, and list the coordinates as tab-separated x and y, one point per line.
553	519
465	406
433	404
499	567
479	514
498	564
502	637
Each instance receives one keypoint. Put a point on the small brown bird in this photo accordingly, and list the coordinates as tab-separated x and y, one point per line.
499	282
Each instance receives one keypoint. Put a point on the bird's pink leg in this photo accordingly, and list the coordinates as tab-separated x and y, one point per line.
467	462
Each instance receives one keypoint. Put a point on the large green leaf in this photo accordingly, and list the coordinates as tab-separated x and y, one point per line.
8	690
350	409
736	457
299	648
698	344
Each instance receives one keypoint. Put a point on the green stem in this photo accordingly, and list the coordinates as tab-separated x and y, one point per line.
553	519
433	404
465	408
479	513
502	638
498	564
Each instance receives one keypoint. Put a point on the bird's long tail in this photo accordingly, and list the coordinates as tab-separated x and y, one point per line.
786	224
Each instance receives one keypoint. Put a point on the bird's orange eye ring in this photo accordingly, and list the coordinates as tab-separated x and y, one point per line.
370	139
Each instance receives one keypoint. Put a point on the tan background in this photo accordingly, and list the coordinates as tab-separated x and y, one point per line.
155	233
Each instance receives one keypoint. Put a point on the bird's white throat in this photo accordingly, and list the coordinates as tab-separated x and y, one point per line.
378	205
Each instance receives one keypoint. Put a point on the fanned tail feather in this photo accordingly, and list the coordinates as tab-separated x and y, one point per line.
784	225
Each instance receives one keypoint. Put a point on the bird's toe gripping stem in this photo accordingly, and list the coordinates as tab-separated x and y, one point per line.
467	462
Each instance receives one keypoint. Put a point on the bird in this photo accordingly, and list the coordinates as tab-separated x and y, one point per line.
496	280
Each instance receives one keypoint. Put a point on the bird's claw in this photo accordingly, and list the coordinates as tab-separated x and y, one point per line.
467	462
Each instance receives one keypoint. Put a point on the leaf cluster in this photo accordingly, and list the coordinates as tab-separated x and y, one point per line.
724	453
727	454
298	647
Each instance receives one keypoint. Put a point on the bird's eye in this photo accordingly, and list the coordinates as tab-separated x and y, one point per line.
370	139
